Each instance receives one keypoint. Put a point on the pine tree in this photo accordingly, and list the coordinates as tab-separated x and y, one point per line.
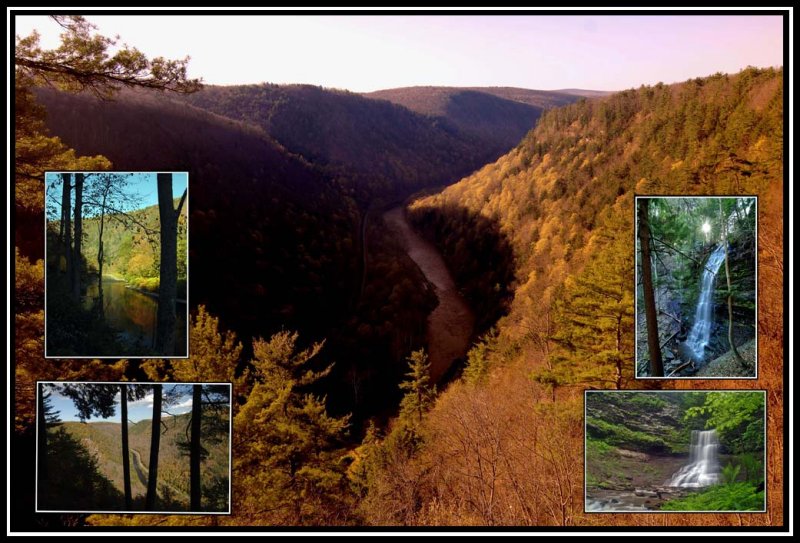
594	316
214	356
287	448
419	392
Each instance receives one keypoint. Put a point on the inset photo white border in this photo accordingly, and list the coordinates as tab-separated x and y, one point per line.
39	403
186	209
765	459
636	285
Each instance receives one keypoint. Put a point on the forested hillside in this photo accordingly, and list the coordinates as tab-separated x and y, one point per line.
389	149
131	250
100	441
497	116
563	201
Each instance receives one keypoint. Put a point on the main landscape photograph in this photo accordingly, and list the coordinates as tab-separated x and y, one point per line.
367	271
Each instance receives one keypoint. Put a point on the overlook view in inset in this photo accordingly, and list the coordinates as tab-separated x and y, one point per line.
133	447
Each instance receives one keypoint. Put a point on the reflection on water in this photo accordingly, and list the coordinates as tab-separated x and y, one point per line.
134	316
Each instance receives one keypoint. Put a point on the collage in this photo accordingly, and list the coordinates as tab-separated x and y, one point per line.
399	271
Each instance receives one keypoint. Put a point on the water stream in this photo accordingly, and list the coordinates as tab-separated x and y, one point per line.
700	333
451	323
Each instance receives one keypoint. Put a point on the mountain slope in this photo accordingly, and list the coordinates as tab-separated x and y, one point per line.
497	116
102	440
264	223
504	446
394	150
276	242
551	194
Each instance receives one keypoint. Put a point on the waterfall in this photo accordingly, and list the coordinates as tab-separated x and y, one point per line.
703	315
703	467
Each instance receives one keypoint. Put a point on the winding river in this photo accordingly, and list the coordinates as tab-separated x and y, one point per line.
451	323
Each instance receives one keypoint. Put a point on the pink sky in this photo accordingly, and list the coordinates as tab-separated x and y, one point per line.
366	53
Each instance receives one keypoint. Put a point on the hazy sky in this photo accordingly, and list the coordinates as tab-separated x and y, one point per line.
364	53
137	410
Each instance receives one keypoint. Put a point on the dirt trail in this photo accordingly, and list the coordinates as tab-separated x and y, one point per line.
450	325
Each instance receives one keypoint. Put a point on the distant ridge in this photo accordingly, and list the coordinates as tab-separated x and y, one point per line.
498	116
585	93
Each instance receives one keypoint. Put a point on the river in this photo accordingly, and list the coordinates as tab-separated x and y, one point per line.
134	314
451	323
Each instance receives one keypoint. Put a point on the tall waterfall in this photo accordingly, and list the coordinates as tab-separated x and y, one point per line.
703	315
703	467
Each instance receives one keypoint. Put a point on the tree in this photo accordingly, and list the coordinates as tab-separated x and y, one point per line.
126	464
651	316
419	392
127	392
168	270
155	443
76	254
66	221
288	449
195	448
738	416
106	195
92	399
84	61
47	417
724	221
214	356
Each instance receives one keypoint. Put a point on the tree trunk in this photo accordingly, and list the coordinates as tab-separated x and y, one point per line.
42	436
168	272
100	249
618	380
724	220
155	441
76	253
126	460
195	449
651	315
66	210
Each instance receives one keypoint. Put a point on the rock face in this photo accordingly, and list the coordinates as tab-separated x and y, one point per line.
644	422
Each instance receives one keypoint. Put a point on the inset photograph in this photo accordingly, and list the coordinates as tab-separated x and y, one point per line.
665	451
133	447
696	296
116	279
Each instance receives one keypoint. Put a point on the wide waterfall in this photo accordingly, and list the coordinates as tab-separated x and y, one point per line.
703	315
703	467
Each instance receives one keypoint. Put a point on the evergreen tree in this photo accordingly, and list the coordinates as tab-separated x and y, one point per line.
594	316
419	392
287	446
651	315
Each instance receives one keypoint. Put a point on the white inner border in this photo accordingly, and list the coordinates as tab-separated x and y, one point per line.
636	283
122	511
127	357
